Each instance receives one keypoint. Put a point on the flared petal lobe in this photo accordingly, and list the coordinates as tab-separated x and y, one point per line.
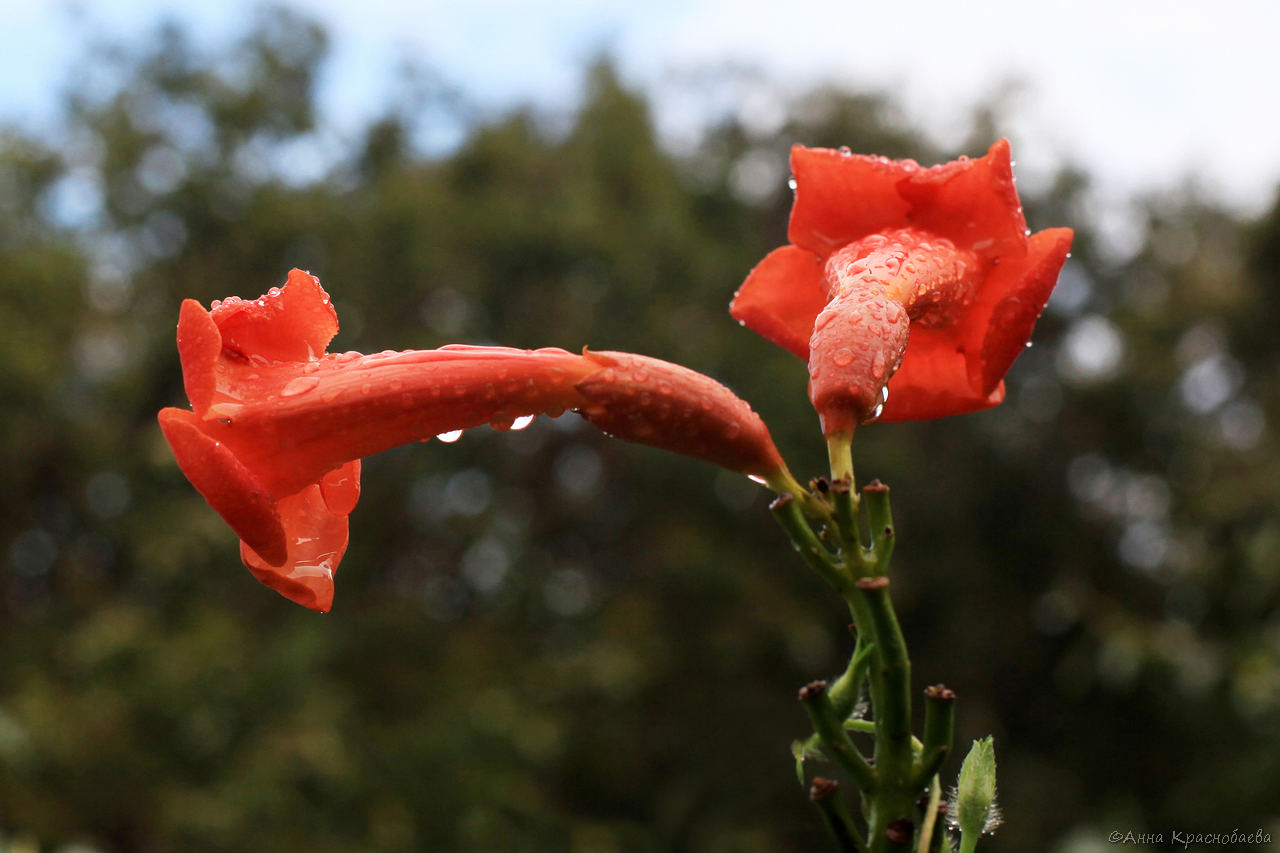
233	490
290	323
781	298
972	202
1018	291
317	537
823	218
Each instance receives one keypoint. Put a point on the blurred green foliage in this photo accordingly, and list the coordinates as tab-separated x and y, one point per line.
543	641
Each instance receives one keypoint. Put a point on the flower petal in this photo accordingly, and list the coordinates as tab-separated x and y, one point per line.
199	344
292	323
1017	291
973	202
781	298
317	538
933	380
341	487
841	197
229	487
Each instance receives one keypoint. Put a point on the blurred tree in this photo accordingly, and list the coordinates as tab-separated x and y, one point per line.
544	641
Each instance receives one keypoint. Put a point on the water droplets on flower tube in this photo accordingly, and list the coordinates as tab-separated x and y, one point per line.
299	385
451	436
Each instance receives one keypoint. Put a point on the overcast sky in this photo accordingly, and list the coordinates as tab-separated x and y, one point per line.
1143	94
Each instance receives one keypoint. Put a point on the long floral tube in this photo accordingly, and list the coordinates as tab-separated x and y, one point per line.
277	426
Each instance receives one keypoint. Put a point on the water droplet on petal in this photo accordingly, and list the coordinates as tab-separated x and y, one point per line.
451	436
299	385
521	422
330	396
792	183
756	478
366	389
842	357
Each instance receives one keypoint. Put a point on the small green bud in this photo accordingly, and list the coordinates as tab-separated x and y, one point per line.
973	806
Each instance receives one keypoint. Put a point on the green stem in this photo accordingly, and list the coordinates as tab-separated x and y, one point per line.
892	805
825	795
840	452
788	513
930	839
846	518
880	518
939	725
844	692
835	739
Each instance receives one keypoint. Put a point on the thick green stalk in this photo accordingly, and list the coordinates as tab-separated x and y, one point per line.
891	807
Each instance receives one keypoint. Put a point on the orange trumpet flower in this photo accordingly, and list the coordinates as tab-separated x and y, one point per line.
277	426
910	291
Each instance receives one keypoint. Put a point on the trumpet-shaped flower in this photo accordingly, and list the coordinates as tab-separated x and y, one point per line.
278	426
910	291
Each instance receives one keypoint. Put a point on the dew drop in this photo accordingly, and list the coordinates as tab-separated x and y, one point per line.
330	396
299	385
451	436
842	357
1028	344
791	183
733	430
366	389
311	367
756	478
521	422
846	151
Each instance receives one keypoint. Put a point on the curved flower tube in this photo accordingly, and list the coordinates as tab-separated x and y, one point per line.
910	291
277	426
